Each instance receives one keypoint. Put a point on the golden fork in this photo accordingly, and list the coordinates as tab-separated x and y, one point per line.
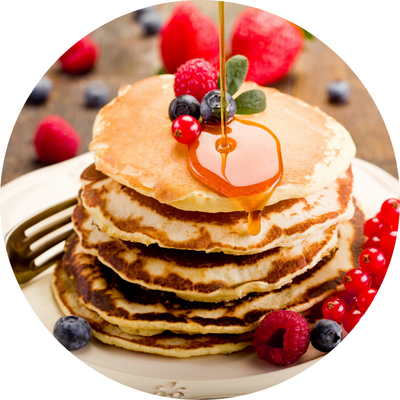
39	237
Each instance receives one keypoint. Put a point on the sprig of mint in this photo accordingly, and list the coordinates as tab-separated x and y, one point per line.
249	102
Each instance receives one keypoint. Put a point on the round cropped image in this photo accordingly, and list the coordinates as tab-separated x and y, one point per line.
203	193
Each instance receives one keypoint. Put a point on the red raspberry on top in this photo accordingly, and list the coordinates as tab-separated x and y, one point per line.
186	35
81	57
55	140
196	77
270	43
282	337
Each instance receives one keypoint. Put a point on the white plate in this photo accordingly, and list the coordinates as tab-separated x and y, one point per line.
197	377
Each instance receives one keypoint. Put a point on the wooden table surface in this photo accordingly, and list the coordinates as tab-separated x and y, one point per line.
127	56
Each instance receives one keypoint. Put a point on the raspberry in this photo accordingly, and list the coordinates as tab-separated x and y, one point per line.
282	337
186	35
270	43
196	77
81	57
55	140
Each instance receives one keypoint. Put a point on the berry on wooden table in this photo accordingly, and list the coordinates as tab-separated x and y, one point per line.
97	94
81	57
186	35
150	21
338	91
41	91
282	337
270	43
55	140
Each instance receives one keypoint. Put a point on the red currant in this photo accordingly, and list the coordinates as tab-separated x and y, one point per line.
333	309
378	279
351	318
390	211
374	242
185	129
356	280
349	299
372	261
365	298
388	241
374	227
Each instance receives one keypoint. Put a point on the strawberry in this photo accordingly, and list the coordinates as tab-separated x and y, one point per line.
81	57
270	43
186	35
55	140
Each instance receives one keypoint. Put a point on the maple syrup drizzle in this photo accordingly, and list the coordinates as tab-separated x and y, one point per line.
242	159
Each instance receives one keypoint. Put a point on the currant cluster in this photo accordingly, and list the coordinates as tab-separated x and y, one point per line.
362	284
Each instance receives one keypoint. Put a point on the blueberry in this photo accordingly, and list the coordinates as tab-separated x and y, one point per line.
72	332
137	13
338	91
97	94
325	335
184	105
210	107
41	91
150	21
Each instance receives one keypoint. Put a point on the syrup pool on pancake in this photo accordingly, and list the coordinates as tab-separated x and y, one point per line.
248	169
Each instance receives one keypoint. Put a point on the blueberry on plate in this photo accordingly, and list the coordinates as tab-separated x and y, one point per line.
72	332
41	91
150	21
338	91
97	94
210	107
325	335
185	104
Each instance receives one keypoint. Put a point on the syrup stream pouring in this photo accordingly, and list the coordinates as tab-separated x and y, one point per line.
242	159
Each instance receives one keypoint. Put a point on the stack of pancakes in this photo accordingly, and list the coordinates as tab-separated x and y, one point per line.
161	263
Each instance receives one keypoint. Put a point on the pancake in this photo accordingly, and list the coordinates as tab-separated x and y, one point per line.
166	344
137	310
132	143
200	276
126	214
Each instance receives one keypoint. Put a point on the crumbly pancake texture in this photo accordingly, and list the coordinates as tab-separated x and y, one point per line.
125	214
133	144
136	309
165	344
200	276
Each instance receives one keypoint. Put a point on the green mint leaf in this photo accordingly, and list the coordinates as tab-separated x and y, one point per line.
251	102
307	34
235	73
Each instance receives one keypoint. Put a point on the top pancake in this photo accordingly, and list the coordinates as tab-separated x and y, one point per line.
133	144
